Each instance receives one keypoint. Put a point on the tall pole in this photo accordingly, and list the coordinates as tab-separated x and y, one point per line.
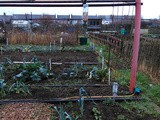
135	46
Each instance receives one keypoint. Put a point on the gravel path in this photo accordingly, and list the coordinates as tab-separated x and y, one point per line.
26	111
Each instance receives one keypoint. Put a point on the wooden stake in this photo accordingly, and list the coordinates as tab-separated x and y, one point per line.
7	42
54	43
50	64
109	76
1	50
50	47
61	40
93	46
100	52
102	62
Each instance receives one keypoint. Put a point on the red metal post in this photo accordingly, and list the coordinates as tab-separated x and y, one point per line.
135	46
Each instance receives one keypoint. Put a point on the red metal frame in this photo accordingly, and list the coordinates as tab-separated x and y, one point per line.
32	3
135	46
65	3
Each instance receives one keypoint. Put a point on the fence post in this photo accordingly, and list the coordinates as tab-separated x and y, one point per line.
121	45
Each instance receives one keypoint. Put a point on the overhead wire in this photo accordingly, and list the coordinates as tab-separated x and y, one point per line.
128	11
122	14
112	16
132	21
117	16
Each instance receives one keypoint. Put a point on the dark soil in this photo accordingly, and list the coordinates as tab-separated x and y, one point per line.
44	92
58	56
108	111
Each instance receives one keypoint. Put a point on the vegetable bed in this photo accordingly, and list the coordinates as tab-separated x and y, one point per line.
31	75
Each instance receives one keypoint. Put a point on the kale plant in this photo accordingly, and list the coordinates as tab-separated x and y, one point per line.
31	71
2	85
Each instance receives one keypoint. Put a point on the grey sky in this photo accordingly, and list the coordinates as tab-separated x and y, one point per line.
150	9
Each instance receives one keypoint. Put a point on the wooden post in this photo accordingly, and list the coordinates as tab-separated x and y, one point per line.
54	44
1	50
50	64
61	39
102	63
50	46
109	76
109	71
7	42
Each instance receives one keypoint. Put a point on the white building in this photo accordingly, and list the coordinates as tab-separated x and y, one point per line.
21	24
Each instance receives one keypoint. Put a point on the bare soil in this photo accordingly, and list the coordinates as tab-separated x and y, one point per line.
43	111
57	56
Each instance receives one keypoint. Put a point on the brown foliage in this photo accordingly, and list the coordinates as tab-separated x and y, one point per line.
19	37
149	58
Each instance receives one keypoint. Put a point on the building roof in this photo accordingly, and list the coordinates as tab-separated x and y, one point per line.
19	17
106	17
76	17
8	18
63	16
31	16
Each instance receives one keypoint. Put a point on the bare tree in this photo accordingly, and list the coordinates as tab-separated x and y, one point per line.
46	22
